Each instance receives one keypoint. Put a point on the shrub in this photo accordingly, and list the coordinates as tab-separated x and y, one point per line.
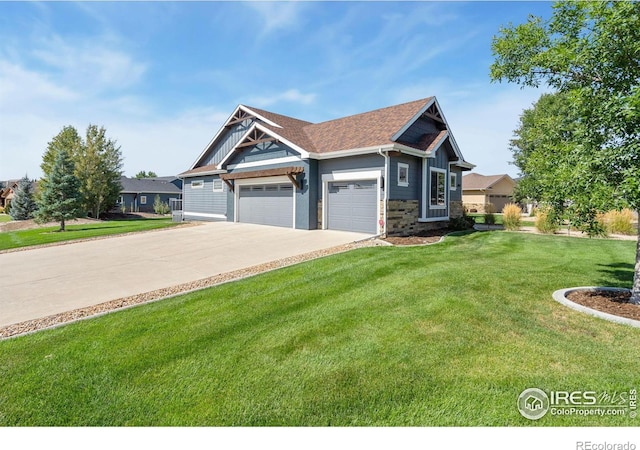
462	223
160	207
618	222
1	209
489	218
546	221
511	217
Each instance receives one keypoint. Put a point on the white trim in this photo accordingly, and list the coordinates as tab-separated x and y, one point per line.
206	149
199	186
404	166
221	188
433	219
254	126
143	199
446	194
280	179
350	152
263	118
202	174
424	202
349	176
212	216
266	162
406	126
453	187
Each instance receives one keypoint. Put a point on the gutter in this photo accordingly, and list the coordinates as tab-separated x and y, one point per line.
386	188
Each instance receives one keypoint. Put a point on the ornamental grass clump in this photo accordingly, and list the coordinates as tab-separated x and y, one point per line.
511	217
545	221
618	222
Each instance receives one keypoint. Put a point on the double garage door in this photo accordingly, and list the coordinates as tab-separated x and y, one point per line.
351	205
266	204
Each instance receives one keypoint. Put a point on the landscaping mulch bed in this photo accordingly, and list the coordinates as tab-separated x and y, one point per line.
421	238
611	302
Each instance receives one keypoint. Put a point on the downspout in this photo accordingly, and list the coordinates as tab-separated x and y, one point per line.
386	187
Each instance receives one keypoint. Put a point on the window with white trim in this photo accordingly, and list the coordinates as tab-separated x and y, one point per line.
143	199
453	181
403	174
437	188
217	185
197	184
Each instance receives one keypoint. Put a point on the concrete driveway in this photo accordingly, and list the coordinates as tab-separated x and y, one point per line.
40	282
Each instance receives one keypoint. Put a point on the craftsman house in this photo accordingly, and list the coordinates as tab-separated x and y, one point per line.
394	170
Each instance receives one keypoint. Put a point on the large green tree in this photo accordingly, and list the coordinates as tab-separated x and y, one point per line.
60	198
99	166
23	204
589	52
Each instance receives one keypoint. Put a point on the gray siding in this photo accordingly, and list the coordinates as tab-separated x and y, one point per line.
350	164
418	129
133	201
411	192
204	200
441	161
262	152
226	141
456	196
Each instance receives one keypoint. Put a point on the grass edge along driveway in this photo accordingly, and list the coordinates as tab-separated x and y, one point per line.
49	235
423	336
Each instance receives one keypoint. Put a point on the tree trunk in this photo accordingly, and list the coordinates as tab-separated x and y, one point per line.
61	225
635	290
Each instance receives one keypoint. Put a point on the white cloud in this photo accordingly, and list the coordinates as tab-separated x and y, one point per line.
291	95
275	16
93	65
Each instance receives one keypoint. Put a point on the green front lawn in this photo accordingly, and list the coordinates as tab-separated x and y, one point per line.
5	218
448	334
37	236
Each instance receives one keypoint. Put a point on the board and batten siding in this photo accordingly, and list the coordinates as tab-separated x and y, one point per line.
364	163
262	152
204	200
440	161
418	129
411	192
230	137
456	194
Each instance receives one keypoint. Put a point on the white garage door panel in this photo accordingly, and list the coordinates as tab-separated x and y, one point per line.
270	204
352	206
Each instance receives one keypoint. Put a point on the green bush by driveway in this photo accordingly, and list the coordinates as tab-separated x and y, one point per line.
448	334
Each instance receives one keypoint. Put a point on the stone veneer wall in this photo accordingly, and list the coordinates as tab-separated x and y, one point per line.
402	219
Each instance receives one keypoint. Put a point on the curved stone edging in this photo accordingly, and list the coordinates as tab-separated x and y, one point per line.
561	297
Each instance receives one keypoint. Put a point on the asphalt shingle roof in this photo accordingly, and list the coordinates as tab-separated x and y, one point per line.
135	185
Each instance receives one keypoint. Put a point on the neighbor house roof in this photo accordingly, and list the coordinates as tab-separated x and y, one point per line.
135	185
478	182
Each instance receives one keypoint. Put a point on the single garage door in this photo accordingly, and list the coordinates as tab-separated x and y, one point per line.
352	206
266	204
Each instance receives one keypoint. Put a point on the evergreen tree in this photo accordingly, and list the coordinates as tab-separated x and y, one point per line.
60	198
23	205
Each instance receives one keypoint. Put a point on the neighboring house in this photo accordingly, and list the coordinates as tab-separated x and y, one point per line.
7	193
479	191
138	195
394	170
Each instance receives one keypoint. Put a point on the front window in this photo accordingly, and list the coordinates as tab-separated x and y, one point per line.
217	185
438	193
403	174
143	199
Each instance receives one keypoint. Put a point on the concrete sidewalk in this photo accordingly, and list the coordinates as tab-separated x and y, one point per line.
40	282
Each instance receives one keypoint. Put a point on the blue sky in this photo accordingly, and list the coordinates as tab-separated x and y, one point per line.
162	77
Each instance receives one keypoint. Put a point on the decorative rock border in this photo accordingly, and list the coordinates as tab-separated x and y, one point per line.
561	297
